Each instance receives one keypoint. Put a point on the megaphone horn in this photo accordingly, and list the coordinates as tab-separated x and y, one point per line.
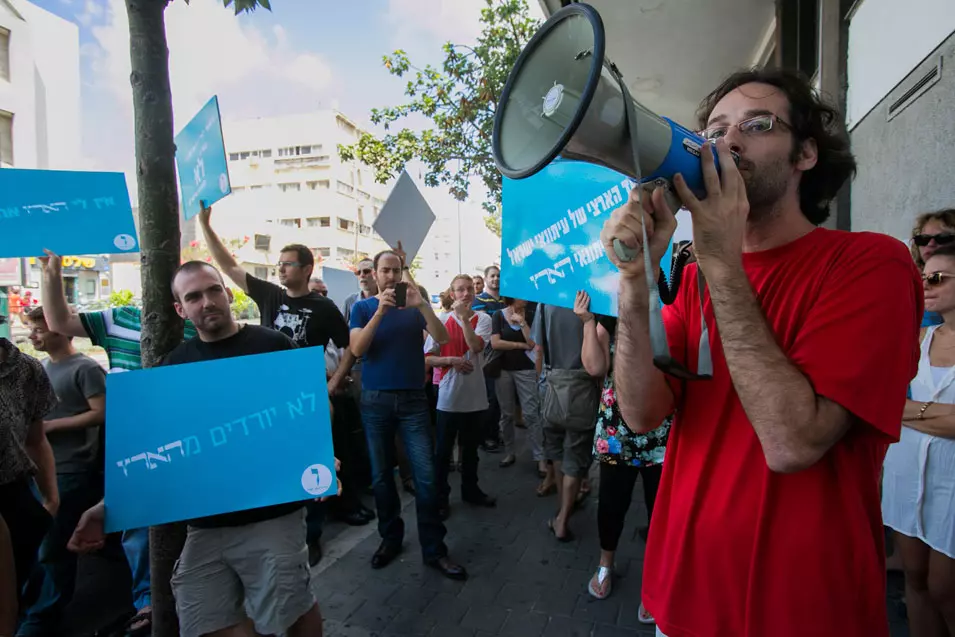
564	98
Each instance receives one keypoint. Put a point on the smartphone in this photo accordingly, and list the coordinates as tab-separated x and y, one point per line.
401	294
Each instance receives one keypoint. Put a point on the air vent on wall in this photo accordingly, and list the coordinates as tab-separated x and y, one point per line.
898	102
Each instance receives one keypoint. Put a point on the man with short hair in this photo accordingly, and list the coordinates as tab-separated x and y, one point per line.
310	319
768	518
73	428
255	559
393	401
478	284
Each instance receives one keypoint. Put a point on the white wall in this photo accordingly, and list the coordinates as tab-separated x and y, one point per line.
44	88
887	39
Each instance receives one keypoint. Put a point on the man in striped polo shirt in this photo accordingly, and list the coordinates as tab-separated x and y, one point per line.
117	330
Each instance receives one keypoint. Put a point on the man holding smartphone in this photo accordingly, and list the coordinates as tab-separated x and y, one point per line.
390	338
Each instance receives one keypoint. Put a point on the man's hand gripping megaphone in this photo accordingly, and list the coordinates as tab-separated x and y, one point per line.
719	220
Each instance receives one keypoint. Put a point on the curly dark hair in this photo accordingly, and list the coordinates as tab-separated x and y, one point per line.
810	118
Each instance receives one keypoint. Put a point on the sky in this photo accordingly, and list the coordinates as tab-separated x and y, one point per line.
302	56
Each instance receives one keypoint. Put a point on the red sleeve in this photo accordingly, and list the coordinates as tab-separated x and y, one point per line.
859	344
674	320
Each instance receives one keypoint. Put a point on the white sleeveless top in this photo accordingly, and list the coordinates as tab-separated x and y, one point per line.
918	485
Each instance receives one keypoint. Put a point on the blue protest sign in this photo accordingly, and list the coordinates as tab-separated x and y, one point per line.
182	443
201	159
65	211
550	231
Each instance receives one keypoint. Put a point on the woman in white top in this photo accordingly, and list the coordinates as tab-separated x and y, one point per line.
918	492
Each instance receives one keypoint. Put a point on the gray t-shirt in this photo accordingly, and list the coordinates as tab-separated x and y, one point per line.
75	380
346	310
561	334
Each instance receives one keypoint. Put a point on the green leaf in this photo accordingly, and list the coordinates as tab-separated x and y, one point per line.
459	98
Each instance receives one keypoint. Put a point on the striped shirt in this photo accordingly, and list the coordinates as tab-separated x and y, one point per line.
118	331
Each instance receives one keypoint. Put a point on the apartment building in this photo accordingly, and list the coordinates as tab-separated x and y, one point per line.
286	172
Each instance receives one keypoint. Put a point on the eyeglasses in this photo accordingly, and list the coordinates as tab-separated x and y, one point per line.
364	272
290	264
936	278
758	125
922	240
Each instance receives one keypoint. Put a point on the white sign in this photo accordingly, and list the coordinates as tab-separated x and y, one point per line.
405	217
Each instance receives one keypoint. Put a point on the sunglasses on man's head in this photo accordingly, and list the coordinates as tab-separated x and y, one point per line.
364	272
922	240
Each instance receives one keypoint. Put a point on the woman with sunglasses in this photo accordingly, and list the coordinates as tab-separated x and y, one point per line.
919	479
931	231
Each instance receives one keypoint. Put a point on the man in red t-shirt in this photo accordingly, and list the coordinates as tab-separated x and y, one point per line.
767	522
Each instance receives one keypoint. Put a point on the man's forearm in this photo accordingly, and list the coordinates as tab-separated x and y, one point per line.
643	395
218	250
361	341
778	399
56	311
344	366
435	328
41	453
475	342
91	418
505	346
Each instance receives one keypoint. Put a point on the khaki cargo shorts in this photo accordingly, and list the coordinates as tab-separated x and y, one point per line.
260	567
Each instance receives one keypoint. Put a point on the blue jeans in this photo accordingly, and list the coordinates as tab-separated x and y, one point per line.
136	547
53	579
405	413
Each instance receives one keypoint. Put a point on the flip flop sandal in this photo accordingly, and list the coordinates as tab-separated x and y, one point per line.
567	537
644	616
602	575
543	492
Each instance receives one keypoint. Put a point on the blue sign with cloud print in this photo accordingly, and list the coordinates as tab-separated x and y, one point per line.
182	443
202	162
68	212
550	229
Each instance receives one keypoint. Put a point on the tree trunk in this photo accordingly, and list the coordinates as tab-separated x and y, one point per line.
159	243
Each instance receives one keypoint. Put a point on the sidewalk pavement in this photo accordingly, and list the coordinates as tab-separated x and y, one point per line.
523	583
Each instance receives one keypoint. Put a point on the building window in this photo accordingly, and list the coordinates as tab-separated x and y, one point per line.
345	224
290	187
261	272
291	223
365	230
316	185
345	189
243	155
261	187
318	222
344	253
4	54
238	189
265	153
6	138
233	156
322	252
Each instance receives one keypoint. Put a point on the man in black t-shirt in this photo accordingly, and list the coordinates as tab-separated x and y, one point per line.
310	319
255	559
